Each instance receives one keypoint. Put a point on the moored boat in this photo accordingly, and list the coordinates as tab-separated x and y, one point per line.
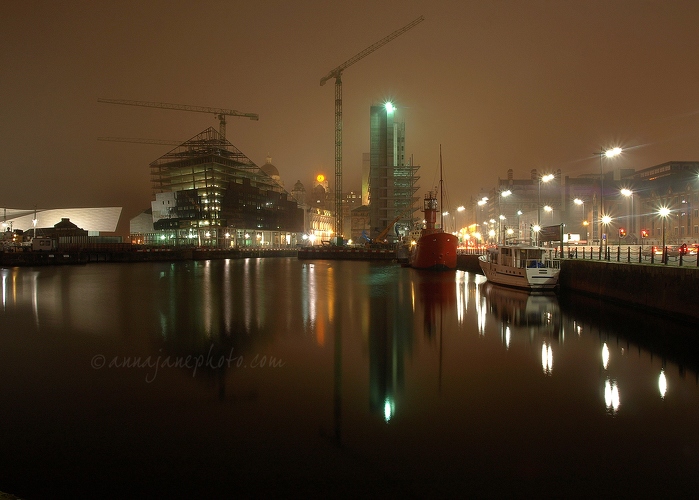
520	266
435	249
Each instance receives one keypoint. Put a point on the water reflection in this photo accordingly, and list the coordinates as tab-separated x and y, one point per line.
416	375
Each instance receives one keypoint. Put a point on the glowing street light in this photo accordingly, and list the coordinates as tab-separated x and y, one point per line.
545	178
609	153
664	212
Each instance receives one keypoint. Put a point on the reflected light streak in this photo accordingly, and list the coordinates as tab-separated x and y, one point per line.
4	288
207	298
247	297
35	298
547	358
508	335
227	297
605	356
611	395
389	409
481	314
461	297
662	384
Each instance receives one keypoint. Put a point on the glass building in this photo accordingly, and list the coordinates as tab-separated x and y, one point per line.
208	193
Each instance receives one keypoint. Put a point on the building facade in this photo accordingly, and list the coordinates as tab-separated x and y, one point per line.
392	183
208	193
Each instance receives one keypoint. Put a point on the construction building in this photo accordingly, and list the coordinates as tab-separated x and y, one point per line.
208	193
392	182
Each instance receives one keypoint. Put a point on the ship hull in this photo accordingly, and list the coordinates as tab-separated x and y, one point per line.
436	251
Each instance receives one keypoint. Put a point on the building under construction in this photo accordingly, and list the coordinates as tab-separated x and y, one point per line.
392	182
208	193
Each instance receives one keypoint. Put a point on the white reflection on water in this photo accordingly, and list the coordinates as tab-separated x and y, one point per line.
605	356
4	288
547	358
389	409
611	395
662	384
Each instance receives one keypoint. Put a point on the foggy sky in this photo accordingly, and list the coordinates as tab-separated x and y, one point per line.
499	84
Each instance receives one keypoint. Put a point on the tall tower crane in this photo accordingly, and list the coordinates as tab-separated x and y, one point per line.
337	74
220	113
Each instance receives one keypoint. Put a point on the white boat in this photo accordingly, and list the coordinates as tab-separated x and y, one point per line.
520	266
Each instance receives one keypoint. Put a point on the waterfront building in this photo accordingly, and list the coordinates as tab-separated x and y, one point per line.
94	220
673	185
207	192
631	199
392	181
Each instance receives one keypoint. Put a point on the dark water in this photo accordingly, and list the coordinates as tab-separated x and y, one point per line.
279	377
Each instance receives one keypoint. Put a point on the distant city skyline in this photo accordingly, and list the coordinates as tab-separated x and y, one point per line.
524	85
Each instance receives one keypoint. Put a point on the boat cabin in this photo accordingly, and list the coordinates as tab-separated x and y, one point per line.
519	256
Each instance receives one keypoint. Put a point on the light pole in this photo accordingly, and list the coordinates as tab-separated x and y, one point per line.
664	212
629	194
545	178
502	218
459	210
581	203
519	226
549	210
609	153
501	195
605	222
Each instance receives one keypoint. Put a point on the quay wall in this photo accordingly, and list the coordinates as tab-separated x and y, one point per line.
664	289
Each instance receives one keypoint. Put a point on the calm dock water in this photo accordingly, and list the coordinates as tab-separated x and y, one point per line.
276	376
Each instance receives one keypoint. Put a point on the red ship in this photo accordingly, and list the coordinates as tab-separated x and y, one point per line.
435	250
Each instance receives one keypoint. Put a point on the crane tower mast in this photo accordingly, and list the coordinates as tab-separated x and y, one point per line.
337	74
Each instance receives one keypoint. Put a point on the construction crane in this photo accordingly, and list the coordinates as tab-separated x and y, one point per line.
135	140
337	75
220	113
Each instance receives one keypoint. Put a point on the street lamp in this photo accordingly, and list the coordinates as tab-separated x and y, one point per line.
664	212
581	203
519	226
609	153
545	178
550	210
460	209
629	194
606	220
502	218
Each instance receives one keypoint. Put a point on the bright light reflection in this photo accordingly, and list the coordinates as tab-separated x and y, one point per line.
605	356
389	409
611	395
662	384
508	335
547	358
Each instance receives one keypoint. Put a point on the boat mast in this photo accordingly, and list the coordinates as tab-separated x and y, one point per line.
441	191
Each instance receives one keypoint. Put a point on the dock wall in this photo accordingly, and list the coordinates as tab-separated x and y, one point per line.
667	290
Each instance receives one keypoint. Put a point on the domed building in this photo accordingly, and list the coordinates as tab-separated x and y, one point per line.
272	171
